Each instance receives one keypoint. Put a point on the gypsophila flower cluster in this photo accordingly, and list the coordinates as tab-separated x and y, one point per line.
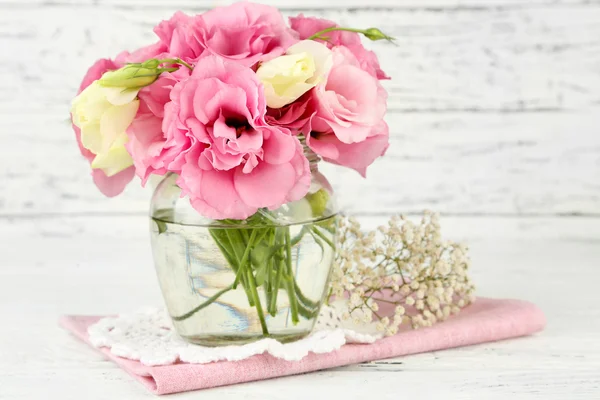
400	273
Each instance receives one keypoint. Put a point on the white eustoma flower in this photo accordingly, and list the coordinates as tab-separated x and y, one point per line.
285	78
103	114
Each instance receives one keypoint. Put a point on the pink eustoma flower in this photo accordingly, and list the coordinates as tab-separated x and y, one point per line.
308	26
243	32
113	185
234	162
148	146
173	42
348	127
351	102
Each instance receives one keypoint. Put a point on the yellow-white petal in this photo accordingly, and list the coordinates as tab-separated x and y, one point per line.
290	94
286	78
91	138
89	105
115	160
119	96
283	67
115	122
323	57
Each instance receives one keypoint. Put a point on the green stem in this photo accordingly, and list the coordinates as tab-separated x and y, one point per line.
306	312
289	283
259	309
371	33
203	305
307	302
299	237
273	305
239	275
268	293
335	28
226	253
235	239
323	237
245	257
289	279
270	267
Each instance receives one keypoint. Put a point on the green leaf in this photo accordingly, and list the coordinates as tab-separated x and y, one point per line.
260	254
320	243
261	275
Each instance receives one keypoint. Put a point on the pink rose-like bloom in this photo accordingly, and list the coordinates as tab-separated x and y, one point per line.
235	162
348	126
110	186
308	26
351	102
175	36
243	32
173	42
148	146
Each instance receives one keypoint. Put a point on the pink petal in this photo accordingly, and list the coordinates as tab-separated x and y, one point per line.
198	130
212	193
325	145
303	175
222	130
357	156
266	186
279	147
114	185
350	133
249	141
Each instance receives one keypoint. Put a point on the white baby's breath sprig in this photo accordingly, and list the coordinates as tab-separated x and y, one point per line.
401	272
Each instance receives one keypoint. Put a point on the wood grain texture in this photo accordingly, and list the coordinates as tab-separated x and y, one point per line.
487	60
98	265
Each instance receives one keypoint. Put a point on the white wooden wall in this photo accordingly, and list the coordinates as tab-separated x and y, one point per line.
494	104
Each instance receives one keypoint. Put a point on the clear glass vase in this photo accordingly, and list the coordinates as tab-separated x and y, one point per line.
233	282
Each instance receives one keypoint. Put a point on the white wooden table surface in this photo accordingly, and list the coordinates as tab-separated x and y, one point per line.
494	121
102	265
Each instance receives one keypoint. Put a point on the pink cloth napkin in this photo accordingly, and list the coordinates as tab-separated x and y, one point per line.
486	320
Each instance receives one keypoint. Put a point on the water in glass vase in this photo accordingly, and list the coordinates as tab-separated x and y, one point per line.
235	284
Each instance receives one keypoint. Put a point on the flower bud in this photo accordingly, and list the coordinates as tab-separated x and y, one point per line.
376	34
318	202
132	75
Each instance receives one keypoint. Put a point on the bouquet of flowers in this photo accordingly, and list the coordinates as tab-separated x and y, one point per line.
229	102
221	100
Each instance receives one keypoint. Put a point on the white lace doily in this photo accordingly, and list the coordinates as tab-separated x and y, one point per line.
148	336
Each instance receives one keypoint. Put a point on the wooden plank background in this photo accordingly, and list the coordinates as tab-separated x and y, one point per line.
494	105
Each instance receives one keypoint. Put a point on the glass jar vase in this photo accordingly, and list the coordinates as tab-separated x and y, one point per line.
233	282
